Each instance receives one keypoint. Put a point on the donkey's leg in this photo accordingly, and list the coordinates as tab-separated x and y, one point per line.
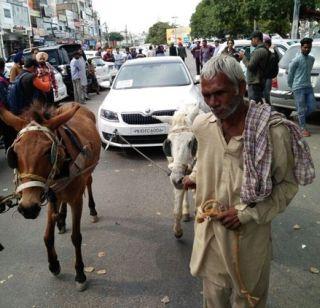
76	237
92	205
54	265
61	221
178	200
186	207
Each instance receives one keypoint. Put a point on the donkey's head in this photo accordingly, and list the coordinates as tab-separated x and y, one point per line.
180	147
35	154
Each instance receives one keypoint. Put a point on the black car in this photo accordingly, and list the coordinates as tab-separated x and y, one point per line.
60	57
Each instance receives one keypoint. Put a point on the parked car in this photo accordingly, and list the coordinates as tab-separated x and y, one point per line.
281	94
105	72
144	88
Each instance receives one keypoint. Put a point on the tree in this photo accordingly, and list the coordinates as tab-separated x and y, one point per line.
158	33
115	36
221	17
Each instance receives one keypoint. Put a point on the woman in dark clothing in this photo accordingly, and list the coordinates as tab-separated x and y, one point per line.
229	50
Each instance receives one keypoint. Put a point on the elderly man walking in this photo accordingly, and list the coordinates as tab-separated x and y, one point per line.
244	177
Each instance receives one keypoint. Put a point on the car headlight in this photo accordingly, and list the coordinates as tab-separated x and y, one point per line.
109	115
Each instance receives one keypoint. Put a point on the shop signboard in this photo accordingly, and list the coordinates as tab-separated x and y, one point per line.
48	11
70	19
180	34
62	17
6	16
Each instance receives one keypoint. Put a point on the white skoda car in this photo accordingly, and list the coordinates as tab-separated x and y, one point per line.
142	89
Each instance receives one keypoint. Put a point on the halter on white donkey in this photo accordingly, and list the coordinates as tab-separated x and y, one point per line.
180	147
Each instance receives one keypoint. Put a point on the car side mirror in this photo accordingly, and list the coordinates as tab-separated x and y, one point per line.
196	79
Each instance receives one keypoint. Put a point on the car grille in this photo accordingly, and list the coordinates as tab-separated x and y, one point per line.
140	119
137	139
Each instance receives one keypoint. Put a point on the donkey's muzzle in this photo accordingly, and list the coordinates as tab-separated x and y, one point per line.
31	212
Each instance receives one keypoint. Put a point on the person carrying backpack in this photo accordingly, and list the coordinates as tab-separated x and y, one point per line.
8	133
26	88
256	65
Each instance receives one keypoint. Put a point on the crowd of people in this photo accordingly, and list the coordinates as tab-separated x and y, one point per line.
261	62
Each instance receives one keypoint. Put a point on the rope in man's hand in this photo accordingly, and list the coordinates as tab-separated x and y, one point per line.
212	210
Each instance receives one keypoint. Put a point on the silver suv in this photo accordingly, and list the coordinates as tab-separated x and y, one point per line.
281	94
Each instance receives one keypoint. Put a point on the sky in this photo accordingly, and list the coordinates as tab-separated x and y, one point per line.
140	15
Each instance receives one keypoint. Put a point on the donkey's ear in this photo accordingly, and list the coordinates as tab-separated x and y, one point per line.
62	118
164	119
12	120
192	115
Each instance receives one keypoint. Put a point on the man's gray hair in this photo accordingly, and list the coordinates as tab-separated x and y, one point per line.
224	64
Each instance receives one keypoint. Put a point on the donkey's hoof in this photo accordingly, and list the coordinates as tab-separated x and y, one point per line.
178	234
94	218
62	230
81	286
55	268
186	217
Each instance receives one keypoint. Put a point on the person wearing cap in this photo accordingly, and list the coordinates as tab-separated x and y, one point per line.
17	66
45	71
256	64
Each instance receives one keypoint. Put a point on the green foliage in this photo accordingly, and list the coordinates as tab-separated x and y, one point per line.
158	33
221	17
115	36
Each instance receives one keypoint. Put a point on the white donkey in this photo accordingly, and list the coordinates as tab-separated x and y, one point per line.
180	148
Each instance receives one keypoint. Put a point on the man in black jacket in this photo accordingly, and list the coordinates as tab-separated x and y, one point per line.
256	64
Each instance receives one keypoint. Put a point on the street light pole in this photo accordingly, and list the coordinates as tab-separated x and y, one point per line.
2	53
295	19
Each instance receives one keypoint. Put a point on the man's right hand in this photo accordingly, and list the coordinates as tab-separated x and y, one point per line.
188	184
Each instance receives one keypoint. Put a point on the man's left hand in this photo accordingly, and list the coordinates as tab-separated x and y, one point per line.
230	219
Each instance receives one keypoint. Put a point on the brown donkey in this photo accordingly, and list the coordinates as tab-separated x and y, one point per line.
49	167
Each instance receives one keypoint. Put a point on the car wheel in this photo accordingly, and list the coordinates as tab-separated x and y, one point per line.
287	112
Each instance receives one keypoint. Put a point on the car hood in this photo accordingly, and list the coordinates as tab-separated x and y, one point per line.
162	98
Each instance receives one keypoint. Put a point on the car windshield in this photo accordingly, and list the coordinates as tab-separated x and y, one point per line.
98	62
293	51
53	57
148	75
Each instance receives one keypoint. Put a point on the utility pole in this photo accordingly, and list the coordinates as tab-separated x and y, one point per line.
107	33
295	19
2	53
126	35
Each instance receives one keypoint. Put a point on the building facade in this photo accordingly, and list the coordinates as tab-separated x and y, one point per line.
28	23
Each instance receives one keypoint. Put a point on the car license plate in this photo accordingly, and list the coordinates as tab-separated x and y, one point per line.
159	130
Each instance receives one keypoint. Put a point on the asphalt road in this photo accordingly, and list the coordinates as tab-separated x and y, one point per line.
143	261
